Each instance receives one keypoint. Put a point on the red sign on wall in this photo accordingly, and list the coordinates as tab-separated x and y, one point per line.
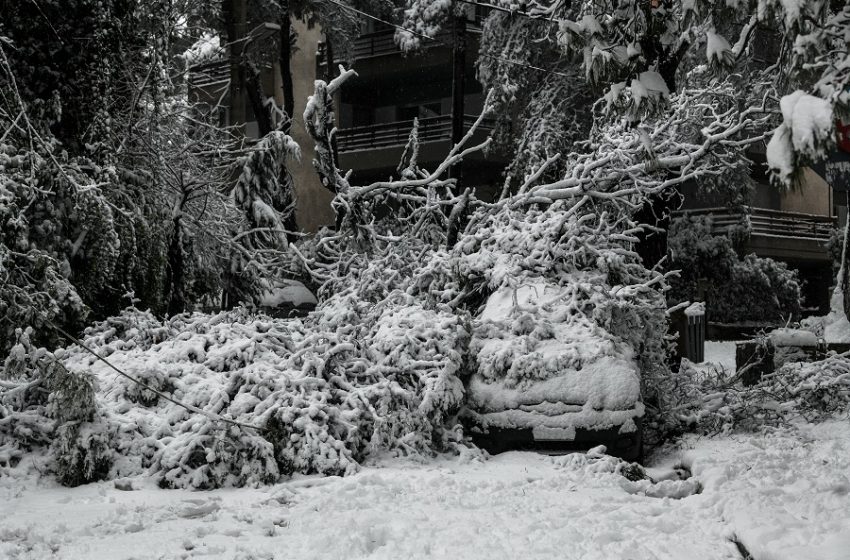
843	131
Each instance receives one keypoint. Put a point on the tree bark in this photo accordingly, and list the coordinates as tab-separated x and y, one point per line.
254	89
285	63
458	89
330	74
176	272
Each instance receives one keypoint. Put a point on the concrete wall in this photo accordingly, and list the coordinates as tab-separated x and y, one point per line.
813	197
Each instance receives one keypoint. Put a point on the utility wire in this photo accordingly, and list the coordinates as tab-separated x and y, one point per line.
190	408
508	10
376	18
439	42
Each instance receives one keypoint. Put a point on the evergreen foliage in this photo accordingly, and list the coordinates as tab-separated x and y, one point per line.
737	289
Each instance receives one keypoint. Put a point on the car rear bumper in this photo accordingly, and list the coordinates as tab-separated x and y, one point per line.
626	445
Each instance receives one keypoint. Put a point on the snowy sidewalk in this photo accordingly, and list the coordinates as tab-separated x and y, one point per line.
783	496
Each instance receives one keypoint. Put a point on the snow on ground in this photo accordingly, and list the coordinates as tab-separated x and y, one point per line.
784	496
721	354
834	326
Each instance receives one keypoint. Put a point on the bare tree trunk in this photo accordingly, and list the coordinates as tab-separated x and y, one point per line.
844	272
458	89
330	69
330	74
254	89
176	272
285	63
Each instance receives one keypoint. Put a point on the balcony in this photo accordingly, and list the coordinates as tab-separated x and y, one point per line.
381	43
373	152
395	134
216	72
790	236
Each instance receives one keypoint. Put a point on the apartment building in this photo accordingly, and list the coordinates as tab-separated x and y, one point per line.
377	108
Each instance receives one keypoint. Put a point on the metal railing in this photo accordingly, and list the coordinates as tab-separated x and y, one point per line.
382	43
764	221
383	135
209	73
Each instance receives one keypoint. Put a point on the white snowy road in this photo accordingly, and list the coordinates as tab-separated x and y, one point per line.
784	496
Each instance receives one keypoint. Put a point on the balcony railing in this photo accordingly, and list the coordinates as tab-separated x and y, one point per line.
764	221
384	135
382	43
209	73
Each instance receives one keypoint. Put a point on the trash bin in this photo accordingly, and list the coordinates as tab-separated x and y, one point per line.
691	327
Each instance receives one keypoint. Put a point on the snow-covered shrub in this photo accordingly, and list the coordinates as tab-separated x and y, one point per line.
82	452
748	289
24	422
36	288
760	289
45	403
264	192
206	455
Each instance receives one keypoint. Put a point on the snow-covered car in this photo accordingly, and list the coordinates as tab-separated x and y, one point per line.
287	299
547	377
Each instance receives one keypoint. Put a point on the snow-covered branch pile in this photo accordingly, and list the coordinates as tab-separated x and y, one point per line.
43	403
402	323
321	399
711	402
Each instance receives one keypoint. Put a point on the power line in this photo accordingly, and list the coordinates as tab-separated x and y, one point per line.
508	10
210	415
437	41
376	18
